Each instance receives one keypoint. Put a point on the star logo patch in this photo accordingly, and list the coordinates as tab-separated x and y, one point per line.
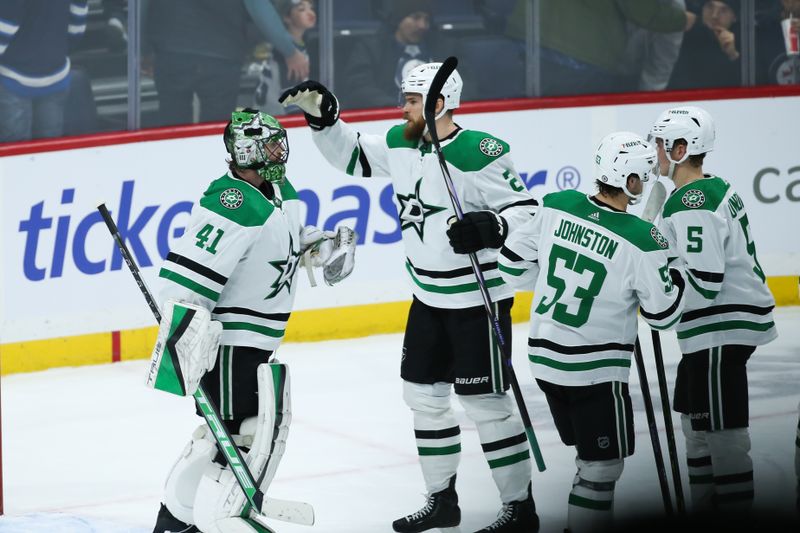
414	211
286	269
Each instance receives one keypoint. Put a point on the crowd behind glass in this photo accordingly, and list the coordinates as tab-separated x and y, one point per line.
190	61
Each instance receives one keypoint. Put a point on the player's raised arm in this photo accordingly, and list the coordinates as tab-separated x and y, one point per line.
348	150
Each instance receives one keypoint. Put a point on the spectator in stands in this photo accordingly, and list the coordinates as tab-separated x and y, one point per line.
583	41
710	54
773	65
199	47
651	55
371	75
298	17
34	65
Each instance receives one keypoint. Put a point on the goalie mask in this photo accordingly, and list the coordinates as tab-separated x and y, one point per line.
258	142
692	124
621	154
419	81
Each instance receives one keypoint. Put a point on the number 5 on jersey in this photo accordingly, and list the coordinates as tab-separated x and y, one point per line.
205	234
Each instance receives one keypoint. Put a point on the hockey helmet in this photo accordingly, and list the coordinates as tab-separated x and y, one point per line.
257	141
621	154
419	79
690	123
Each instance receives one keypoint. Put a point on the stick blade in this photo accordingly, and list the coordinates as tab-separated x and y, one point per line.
658	195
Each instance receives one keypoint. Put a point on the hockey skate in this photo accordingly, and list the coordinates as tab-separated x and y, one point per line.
440	511
166	523
516	517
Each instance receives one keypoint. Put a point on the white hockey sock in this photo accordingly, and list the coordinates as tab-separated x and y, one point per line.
503	441
591	501
698	459
733	468
437	432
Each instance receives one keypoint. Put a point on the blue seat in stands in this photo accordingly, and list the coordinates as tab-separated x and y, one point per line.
495	65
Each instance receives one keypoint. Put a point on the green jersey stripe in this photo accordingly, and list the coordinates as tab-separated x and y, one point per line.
189	284
452	289
725	326
708	295
263	330
351	166
577	367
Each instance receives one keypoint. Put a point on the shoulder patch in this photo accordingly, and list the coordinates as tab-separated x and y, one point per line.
231	198
693	198
659	238
490	147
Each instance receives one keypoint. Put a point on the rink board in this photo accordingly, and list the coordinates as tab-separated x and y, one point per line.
69	300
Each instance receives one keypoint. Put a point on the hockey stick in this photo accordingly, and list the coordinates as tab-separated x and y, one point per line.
658	196
651	424
287	511
434	91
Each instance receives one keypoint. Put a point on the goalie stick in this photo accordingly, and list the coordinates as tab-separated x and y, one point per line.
447	68
658	195
257	503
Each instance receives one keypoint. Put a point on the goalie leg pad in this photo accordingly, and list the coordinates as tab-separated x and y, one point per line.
183	479
219	497
437	432
185	350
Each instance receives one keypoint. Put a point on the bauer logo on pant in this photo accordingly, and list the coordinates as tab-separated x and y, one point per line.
693	198
231	198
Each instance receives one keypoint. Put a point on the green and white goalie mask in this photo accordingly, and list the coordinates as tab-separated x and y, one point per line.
185	350
257	141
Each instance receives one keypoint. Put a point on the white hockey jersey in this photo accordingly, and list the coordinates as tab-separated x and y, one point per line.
484	178
727	298
591	267
238	259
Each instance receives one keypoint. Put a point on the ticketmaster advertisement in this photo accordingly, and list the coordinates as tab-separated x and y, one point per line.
62	275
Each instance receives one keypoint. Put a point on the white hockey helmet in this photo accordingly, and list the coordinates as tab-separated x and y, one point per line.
690	123
621	154
419	79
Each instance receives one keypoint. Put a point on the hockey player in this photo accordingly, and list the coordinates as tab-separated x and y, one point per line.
234	268
448	337
728	311
592	266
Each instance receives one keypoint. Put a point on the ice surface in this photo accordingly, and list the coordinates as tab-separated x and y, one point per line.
87	449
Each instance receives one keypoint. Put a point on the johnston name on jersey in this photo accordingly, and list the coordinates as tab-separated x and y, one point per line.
591	268
238	258
727	298
484	178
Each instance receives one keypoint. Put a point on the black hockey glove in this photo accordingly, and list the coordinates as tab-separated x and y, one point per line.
677	279
476	231
319	105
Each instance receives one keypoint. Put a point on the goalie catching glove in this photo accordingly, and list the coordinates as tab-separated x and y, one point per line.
320	106
185	350
476	231
334	251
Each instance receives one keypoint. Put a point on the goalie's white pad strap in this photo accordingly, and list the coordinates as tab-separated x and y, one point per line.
183	479
185	350
219	496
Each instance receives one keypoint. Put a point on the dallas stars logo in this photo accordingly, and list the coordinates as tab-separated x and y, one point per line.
286	268
414	211
693	198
